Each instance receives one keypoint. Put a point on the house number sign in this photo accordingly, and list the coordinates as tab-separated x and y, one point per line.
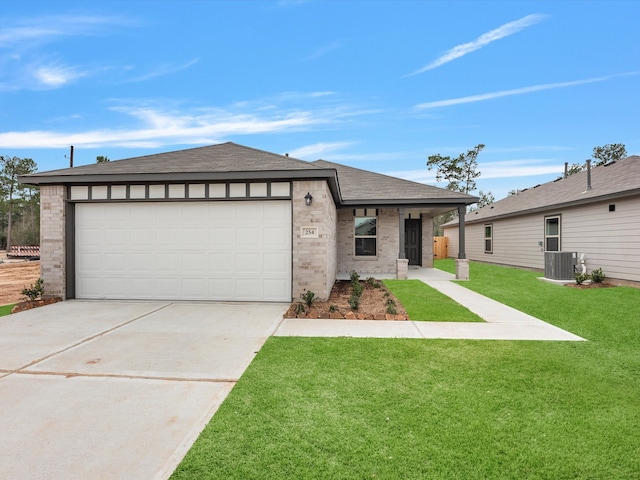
309	232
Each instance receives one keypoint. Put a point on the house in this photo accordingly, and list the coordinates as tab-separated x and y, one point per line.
595	213
228	222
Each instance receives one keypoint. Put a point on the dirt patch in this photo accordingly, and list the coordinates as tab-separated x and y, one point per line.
374	301
586	286
14	277
29	304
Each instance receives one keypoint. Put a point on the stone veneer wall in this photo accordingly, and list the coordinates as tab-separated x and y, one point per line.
387	244
314	260
427	241
52	239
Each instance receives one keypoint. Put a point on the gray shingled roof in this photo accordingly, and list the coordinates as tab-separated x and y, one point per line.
614	180
360	186
230	161
225	157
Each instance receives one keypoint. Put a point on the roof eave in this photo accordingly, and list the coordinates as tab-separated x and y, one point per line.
573	203
410	202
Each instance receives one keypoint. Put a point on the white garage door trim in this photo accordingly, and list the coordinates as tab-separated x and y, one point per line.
224	251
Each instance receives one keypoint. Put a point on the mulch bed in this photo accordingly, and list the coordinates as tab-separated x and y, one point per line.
373	304
29	304
586	286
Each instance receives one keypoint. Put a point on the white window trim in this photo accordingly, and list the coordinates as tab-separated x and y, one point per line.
558	236
355	237
490	238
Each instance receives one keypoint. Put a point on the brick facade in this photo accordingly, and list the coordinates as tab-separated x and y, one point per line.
388	241
314	259
52	239
427	242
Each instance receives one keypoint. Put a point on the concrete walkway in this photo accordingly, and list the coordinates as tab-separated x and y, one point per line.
503	322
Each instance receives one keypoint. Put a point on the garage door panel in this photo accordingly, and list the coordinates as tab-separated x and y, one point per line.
249	289
275	288
249	264
238	250
221	289
222	236
141	238
221	264
276	264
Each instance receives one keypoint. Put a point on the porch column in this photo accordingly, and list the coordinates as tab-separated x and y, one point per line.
402	264
462	264
462	254
401	252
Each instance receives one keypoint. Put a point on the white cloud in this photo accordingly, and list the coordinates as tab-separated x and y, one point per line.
54	76
48	28
157	127
324	49
517	91
504	169
317	150
163	70
484	39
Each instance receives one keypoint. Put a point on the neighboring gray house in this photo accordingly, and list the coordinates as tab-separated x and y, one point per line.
228	222
594	212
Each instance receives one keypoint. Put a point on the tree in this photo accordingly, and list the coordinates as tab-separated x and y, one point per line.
10	169
485	199
611	152
461	172
102	159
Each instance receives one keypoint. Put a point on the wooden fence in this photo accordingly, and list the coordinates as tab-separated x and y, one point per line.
440	247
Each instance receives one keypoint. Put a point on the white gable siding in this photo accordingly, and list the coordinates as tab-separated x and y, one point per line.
609	240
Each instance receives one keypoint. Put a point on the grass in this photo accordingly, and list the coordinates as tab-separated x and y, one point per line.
442	409
423	302
6	309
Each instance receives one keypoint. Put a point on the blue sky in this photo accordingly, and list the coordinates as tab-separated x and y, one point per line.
379	85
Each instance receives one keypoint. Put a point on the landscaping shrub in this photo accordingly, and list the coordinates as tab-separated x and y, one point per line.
597	276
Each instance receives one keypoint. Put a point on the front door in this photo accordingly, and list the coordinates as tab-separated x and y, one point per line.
412	241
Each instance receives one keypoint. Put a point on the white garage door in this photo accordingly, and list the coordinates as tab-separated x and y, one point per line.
238	251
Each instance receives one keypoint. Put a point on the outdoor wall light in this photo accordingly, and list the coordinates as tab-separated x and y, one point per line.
308	199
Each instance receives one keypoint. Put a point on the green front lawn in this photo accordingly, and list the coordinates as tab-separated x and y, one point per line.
423	302
6	309
403	408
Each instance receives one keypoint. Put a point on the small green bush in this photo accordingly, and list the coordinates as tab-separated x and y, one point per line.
357	288
598	276
354	302
308	297
300	308
371	281
333	308
581	278
391	309
355	278
35	291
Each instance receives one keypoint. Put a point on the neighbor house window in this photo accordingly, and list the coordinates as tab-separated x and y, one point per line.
365	234
488	238
552	234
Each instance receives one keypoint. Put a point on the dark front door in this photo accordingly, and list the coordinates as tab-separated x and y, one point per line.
412	241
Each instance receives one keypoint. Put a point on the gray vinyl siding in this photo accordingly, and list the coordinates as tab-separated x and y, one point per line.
609	240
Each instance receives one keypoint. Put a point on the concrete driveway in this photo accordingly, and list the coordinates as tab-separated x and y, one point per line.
118	390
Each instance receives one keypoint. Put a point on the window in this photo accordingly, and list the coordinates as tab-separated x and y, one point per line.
552	234
365	236
488	238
